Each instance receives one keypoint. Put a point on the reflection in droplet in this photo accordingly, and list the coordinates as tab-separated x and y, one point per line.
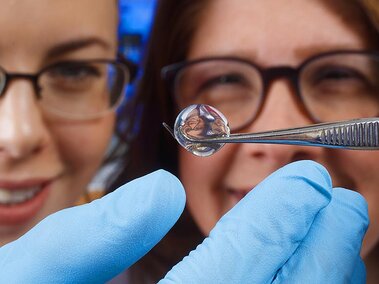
200	121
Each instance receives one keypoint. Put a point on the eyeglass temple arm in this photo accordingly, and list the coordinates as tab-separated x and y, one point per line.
358	134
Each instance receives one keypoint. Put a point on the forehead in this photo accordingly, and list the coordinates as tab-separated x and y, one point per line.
49	21
268	27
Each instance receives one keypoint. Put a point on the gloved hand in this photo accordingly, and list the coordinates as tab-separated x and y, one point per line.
291	228
94	242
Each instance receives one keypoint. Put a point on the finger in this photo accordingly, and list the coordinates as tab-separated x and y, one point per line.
329	253
252	241
94	242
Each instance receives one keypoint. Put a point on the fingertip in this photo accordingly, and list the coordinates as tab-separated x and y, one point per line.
171	183
309	170
354	204
170	189
351	197
161	186
305	172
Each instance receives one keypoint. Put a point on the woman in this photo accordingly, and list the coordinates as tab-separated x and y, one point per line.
252	36
60	82
58	92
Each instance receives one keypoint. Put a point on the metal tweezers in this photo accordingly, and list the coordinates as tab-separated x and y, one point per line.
357	134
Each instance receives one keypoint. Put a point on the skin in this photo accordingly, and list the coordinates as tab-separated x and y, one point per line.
36	146
224	178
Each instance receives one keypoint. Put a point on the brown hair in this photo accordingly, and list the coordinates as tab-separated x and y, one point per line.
152	147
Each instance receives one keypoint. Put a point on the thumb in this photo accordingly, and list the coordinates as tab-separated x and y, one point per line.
95	242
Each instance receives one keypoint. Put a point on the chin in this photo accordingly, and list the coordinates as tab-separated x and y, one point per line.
11	233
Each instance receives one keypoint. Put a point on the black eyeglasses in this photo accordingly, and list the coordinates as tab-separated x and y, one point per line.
77	89
332	86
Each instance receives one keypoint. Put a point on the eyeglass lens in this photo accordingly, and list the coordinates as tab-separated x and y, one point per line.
80	90
84	90
331	87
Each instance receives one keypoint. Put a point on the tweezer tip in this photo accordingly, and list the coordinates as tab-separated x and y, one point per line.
169	129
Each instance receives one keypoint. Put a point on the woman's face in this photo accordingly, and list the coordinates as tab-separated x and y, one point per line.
46	162
270	34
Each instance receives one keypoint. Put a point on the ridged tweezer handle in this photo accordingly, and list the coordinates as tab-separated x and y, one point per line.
358	134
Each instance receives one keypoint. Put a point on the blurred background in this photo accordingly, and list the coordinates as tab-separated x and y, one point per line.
135	20
136	17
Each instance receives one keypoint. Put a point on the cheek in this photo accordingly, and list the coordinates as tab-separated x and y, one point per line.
203	179
356	170
82	147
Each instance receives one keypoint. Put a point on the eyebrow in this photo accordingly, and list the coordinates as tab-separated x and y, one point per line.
76	44
311	50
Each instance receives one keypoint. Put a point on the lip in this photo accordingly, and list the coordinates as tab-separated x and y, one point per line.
14	185
20	213
240	193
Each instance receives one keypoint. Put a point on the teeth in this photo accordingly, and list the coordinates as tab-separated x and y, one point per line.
17	196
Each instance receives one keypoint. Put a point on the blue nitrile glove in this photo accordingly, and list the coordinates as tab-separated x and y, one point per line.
292	228
93	243
277	231
330	251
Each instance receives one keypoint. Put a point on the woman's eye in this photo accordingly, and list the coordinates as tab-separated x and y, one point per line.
74	72
227	79
338	74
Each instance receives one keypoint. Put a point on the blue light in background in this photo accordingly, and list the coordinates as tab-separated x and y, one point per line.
136	17
135	20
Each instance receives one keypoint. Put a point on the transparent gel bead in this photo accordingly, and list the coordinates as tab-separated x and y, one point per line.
200	121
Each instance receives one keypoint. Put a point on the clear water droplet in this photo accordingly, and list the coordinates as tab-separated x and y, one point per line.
200	121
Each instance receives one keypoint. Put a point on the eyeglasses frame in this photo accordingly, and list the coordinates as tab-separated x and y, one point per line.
267	75
129	68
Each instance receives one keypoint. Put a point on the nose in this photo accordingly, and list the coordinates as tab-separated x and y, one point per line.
22	129
281	109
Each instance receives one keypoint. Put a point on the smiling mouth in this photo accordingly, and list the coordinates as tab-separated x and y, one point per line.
22	201
13	197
